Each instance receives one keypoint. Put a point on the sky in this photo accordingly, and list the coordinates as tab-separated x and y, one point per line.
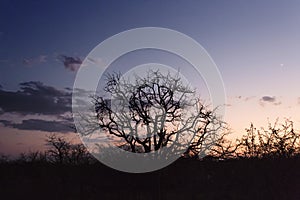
255	45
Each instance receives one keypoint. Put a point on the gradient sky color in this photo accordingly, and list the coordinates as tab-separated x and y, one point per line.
255	45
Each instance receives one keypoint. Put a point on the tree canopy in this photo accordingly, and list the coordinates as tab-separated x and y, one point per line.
155	111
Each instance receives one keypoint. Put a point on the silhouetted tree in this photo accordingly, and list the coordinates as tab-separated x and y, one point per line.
59	148
153	112
276	141
64	152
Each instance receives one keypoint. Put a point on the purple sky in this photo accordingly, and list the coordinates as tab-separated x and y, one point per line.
255	45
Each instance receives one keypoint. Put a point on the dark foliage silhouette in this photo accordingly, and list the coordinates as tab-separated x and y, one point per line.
248	168
33	157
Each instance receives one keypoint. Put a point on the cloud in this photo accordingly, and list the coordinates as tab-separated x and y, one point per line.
40	125
36	106
244	98
33	61
36	98
70	63
269	99
299	100
5	122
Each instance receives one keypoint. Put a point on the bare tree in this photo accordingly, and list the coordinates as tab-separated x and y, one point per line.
59	148
153	112
278	140
64	152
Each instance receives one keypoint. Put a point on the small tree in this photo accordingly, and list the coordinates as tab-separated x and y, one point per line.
59	149
64	152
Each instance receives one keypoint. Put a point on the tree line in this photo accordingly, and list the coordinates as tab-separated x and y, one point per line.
276	141
160	111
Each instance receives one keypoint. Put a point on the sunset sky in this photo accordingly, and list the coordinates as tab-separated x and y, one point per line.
255	44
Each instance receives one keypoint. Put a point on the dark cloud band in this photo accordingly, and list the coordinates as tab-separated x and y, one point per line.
36	98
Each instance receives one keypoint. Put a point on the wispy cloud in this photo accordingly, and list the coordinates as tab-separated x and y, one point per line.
34	61
245	98
249	98
70	63
95	60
